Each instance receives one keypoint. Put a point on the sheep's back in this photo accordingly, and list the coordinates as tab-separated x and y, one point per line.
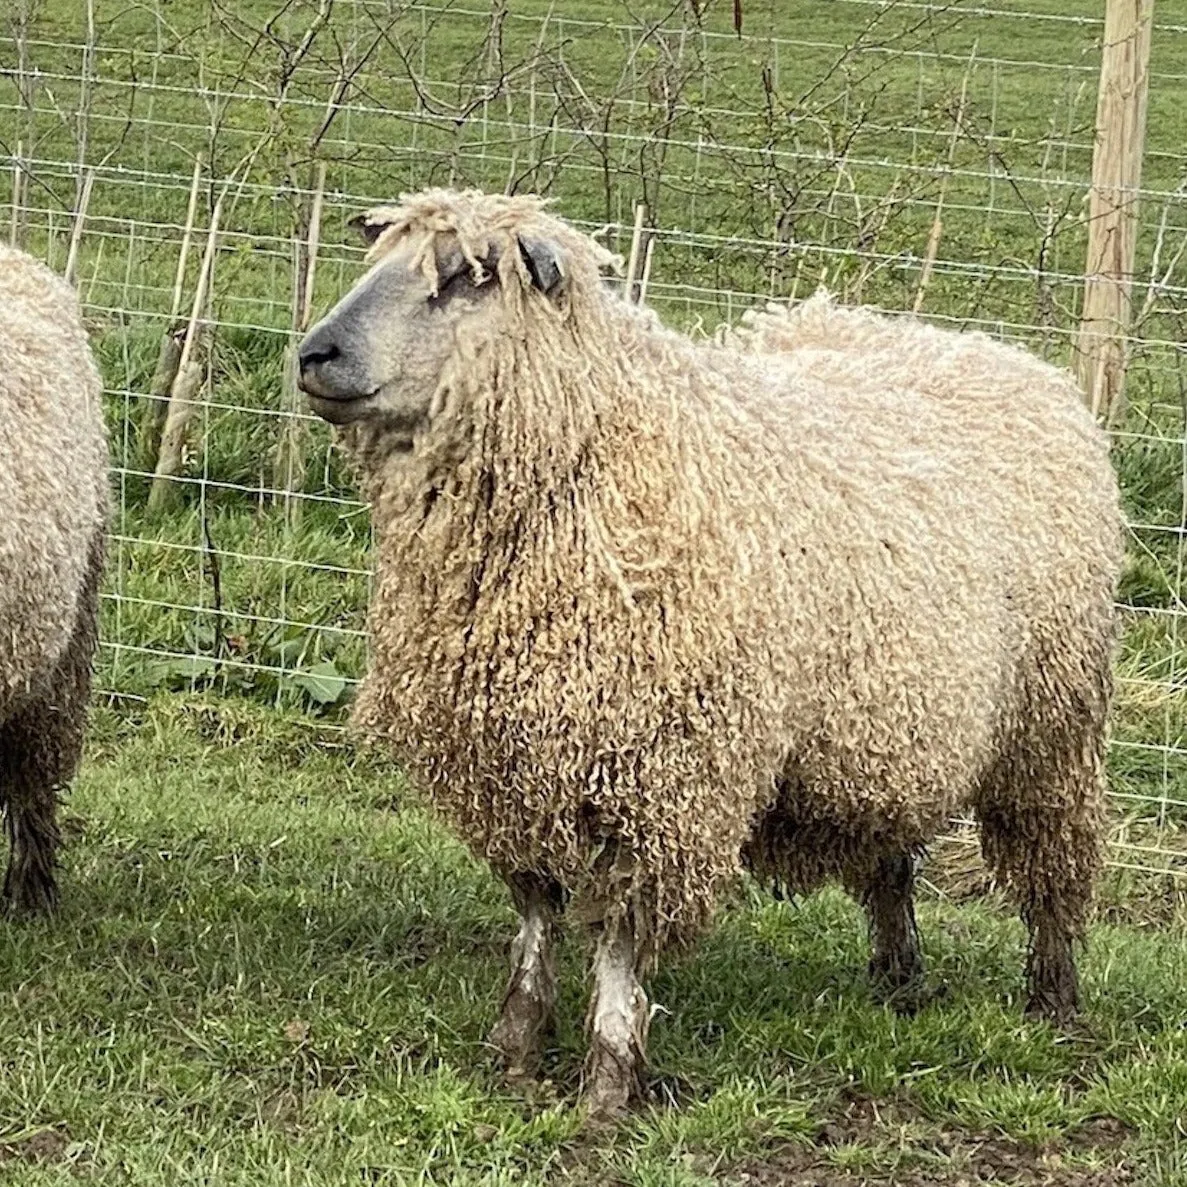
959	530
52	470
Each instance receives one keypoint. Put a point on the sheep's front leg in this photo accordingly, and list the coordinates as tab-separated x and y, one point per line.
617	1023
528	1004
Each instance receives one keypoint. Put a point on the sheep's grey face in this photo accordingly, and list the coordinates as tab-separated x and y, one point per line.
380	352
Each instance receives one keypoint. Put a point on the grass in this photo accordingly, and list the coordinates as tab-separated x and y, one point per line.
272	966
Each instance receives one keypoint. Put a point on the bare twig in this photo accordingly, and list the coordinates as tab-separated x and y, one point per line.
937	226
24	16
86	93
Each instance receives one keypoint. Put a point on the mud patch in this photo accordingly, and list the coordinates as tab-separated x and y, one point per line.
938	1157
801	1169
44	1146
1100	1133
858	1119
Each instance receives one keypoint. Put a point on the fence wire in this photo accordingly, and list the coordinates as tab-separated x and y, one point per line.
912	155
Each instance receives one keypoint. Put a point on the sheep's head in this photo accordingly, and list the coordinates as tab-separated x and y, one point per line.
446	269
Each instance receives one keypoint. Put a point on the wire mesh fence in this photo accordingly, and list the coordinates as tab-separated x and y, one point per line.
192	164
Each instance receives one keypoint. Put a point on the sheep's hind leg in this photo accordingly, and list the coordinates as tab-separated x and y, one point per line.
39	751
529	1002
1052	984
29	795
40	748
896	963
1052	863
1045	846
617	1023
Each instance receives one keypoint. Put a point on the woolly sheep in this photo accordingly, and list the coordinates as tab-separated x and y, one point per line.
648	612
53	507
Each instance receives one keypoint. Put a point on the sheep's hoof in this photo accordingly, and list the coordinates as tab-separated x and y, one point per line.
1053	991
31	893
1057	1004
613	1082
897	980
519	1035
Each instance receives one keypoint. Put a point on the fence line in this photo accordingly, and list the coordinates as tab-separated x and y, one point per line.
828	148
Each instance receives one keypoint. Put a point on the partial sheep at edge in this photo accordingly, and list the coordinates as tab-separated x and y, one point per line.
53	514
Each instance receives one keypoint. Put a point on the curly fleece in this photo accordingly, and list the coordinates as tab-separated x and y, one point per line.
647	610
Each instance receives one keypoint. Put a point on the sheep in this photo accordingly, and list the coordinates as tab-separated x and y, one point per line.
650	612
53	514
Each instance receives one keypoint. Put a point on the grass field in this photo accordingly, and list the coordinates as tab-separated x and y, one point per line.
271	966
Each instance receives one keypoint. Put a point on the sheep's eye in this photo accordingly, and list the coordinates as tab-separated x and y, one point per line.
448	283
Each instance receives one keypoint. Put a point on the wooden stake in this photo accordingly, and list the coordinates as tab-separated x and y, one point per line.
1101	349
187	234
182	398
156	409
152	418
80	218
18	176
319	192
632	267
204	274
646	269
289	468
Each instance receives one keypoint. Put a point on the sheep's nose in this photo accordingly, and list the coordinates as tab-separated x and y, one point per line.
316	349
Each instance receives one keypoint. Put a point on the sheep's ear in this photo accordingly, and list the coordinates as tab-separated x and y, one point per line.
543	261
370	225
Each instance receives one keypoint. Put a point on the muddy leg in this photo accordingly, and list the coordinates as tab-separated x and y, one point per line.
40	747
1042	808
1049	855
1053	990
528	1004
617	1023
39	751
30	809
896	964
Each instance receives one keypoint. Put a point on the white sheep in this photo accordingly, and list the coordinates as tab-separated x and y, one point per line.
649	611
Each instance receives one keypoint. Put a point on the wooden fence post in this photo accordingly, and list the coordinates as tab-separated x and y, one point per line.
1101	352
183	397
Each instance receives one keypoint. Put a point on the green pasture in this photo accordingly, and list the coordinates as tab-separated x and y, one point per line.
271	965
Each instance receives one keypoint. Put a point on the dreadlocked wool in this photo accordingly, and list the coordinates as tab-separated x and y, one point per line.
647	610
53	507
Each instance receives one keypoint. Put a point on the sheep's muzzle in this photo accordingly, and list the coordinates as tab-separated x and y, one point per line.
325	377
